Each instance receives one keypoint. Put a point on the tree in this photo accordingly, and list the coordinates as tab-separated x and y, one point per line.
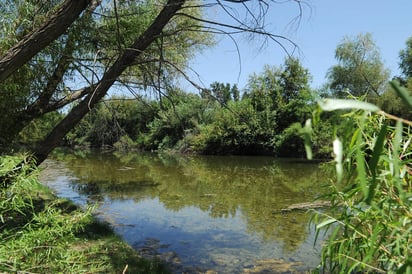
360	69
37	40
41	85
223	93
405	57
282	93
45	82
282	100
391	103
295	95
97	44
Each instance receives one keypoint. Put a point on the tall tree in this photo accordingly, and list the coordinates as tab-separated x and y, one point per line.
97	44
84	52
405	56
223	93
276	87
360	69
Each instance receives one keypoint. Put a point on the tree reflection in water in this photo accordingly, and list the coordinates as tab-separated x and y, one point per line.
253	189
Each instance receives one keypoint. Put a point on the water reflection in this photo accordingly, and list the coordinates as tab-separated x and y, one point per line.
215	212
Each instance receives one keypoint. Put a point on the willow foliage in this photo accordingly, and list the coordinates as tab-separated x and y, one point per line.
370	223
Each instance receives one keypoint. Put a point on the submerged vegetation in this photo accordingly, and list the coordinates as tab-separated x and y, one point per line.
40	233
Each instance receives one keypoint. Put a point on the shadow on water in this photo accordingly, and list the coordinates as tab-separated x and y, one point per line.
209	212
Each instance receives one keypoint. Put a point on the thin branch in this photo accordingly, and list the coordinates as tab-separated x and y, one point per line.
396	118
273	37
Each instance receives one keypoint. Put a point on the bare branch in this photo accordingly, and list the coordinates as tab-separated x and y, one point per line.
275	38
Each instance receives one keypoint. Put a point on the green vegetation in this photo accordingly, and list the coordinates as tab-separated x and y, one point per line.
360	70
370	222
267	119
143	46
42	234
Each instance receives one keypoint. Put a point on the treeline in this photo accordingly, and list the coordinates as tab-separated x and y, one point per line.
266	118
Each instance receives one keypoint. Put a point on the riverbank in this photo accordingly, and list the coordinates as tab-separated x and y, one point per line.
41	233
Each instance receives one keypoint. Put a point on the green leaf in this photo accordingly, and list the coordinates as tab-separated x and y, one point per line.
373	163
336	104
360	165
402	92
326	222
377	149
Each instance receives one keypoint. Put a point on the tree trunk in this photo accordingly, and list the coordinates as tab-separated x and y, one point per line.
40	38
126	59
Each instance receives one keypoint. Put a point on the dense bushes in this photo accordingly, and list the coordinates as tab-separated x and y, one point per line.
266	120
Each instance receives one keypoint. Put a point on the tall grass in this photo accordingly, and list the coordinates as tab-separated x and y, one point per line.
370	222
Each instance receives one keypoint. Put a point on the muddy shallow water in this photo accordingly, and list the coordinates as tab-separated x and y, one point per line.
220	214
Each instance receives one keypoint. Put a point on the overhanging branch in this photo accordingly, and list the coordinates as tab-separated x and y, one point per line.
41	37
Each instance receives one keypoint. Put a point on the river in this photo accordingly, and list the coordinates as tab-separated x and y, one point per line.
220	213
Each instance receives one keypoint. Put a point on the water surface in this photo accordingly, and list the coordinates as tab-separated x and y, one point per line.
211	213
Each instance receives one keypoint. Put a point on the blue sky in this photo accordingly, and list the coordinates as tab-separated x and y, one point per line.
322	28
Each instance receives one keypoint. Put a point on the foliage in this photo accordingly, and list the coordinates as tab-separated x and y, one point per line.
290	142
222	93
281	93
371	216
405	57
216	122
37	129
113	120
52	79
181	114
234	130
180	40
41	234
360	70
390	102
24	87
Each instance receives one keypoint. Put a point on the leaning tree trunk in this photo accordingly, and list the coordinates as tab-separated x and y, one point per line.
101	88
41	37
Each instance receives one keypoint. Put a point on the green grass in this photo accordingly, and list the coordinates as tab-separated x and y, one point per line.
40	233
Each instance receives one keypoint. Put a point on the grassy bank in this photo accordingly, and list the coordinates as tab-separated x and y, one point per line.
40	233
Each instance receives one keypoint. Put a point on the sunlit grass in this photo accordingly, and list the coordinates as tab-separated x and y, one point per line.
42	234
